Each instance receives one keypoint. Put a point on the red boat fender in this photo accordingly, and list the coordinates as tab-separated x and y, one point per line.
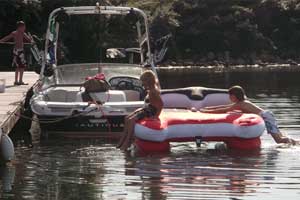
150	146
145	146
244	144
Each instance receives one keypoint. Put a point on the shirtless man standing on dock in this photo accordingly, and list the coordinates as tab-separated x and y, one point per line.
18	53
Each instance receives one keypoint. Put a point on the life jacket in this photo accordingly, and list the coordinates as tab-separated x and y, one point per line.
95	83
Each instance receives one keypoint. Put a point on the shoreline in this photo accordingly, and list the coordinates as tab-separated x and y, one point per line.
271	67
294	67
280	75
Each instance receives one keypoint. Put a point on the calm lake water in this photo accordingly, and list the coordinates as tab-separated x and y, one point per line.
95	169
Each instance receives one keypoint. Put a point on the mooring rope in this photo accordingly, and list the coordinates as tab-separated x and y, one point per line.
56	120
49	121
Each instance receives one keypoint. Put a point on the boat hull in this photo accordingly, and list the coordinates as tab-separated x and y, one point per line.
82	127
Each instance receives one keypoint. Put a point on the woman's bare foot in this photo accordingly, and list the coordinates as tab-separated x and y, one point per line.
121	141
125	145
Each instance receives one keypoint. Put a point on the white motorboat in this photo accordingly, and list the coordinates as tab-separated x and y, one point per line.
62	104
59	101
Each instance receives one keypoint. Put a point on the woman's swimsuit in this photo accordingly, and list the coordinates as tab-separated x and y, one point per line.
148	110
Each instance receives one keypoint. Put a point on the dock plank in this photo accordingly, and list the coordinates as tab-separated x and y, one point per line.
11	100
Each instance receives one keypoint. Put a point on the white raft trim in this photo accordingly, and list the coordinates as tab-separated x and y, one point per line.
202	130
175	100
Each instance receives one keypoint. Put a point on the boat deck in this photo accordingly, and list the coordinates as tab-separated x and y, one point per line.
11	100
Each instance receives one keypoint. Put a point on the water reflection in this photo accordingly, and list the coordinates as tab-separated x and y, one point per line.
213	174
7	175
95	170
195	174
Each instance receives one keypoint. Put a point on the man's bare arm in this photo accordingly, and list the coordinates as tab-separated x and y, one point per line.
6	38
219	106
223	109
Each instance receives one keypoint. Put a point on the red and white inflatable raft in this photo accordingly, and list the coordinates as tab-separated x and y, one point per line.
237	130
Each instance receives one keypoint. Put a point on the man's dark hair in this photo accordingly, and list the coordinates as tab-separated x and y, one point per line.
238	92
20	23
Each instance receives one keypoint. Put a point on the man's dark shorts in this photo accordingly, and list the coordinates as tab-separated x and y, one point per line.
19	59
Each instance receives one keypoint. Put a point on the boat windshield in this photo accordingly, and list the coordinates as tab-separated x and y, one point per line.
75	74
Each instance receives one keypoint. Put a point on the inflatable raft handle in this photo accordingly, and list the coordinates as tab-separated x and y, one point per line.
198	140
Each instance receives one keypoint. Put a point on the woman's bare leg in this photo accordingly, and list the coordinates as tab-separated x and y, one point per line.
130	132
121	141
125	132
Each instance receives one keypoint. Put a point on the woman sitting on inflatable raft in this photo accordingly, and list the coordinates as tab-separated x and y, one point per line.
152	108
215	123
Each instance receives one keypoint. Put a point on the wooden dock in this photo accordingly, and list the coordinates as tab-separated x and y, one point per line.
11	100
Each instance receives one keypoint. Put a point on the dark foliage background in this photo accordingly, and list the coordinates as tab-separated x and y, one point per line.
203	31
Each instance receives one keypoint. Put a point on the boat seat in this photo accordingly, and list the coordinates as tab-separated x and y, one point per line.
110	95
58	95
71	96
132	95
61	95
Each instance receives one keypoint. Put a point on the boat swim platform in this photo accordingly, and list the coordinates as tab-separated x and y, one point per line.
12	99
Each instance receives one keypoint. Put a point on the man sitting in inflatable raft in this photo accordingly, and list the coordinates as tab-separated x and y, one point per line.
239	102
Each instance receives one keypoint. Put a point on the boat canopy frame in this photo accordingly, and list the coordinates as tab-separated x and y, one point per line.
53	28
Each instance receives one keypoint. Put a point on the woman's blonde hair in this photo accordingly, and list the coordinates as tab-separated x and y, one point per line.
149	77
